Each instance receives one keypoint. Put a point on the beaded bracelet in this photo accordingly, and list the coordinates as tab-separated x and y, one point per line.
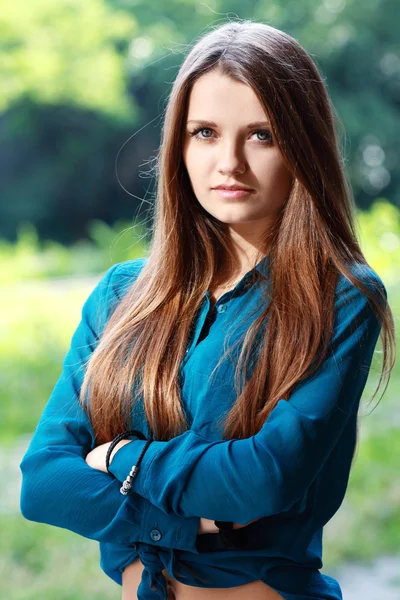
127	484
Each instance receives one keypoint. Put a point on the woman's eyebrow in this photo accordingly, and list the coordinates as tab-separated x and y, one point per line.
204	123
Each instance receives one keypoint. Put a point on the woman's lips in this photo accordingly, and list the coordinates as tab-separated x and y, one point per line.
232	193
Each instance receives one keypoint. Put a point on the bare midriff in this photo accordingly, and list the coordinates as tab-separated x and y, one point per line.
256	590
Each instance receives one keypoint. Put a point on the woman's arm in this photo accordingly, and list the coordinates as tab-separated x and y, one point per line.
59	487
242	480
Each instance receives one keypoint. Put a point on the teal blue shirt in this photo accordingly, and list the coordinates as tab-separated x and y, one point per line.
291	476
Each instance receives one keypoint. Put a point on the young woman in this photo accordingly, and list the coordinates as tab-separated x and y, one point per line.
240	346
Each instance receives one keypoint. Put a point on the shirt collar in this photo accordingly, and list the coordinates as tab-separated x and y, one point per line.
262	265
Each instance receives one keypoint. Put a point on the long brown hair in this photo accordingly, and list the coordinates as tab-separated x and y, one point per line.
312	242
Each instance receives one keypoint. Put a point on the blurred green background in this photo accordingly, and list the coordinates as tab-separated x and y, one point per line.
85	83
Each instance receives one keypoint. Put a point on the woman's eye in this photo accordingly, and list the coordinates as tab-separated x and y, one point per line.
197	131
263	132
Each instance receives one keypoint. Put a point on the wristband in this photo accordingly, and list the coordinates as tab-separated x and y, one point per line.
127	484
122	436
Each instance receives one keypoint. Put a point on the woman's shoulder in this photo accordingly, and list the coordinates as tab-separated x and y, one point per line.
129	268
351	300
124	274
365	274
110	289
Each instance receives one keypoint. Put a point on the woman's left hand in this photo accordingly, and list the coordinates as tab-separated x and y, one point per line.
96	458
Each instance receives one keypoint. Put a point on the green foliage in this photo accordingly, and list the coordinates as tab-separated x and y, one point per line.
117	240
380	239
65	52
368	522
78	77
50	563
31	258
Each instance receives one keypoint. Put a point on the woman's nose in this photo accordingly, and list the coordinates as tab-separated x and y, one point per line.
231	160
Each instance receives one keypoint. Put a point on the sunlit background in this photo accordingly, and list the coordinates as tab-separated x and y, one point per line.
83	87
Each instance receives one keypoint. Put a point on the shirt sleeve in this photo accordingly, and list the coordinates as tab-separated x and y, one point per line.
58	487
241	480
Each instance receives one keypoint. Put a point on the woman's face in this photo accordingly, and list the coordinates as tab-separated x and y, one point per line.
228	151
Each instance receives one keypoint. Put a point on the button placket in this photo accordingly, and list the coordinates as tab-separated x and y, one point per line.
220	307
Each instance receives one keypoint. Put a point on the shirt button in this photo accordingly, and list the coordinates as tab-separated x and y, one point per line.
155	535
222	308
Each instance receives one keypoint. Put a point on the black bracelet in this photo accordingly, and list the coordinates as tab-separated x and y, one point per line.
122	436
127	484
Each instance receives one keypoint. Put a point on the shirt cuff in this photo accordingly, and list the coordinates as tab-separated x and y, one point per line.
128	455
172	531
158	528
